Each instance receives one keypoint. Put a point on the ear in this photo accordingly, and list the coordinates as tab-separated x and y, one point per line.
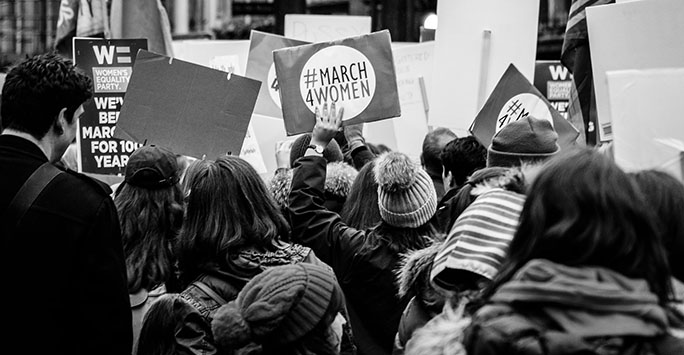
60	122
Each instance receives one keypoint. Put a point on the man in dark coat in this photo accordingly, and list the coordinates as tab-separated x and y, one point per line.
62	265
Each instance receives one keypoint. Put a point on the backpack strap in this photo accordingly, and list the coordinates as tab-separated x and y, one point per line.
209	292
27	195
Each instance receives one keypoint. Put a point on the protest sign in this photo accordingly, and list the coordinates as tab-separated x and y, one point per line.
191	109
325	28
416	61
109	63
260	67
357	73
251	151
554	81
405	133
269	131
225	55
475	43
647	130
632	35
514	98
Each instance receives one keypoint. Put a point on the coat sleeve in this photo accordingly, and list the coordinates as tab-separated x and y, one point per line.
316	227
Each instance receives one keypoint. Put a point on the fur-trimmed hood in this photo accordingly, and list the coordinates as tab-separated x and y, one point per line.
413	271
338	182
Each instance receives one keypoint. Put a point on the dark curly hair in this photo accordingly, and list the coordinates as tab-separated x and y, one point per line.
37	89
461	157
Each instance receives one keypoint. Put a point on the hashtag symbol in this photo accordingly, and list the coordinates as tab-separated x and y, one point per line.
515	106
310	78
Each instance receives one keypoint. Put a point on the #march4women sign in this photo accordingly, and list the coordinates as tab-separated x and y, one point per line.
357	73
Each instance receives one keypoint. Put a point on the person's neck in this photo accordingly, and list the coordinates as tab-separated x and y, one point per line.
44	146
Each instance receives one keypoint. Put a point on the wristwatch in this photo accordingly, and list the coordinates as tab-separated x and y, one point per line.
316	148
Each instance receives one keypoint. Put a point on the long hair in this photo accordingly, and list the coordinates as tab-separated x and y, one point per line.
401	239
150	221
361	211
165	318
665	195
228	206
582	210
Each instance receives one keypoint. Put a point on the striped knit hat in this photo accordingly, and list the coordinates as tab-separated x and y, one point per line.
280	305
406	194
479	240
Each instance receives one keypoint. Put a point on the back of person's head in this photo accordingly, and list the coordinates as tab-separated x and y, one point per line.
582	210
168	316
332	152
665	195
406	200
150	207
433	143
38	89
461	157
361	211
227	206
526	141
287	309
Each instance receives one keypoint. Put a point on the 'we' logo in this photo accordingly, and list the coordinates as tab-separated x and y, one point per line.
109	54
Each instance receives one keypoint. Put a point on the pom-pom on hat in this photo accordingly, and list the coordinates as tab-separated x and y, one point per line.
332	153
406	194
152	167
280	306
525	139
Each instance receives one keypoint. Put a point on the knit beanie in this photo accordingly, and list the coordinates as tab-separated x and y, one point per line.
406	194
527	138
331	153
278	306
479	240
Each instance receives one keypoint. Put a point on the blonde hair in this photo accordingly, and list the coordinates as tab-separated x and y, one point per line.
442	335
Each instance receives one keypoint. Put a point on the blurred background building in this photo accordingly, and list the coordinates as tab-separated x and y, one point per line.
28	27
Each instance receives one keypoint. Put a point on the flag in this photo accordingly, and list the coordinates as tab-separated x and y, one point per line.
80	18
142	19
576	56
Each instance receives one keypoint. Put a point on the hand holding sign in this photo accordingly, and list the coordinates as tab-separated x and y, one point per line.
283	149
328	123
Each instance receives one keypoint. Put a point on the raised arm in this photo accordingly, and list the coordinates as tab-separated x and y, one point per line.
312	224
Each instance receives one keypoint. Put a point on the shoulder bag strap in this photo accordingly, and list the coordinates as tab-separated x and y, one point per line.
27	195
206	289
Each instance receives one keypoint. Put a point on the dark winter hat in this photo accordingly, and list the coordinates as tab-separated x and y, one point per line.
406	194
331	153
280	305
525	139
152	167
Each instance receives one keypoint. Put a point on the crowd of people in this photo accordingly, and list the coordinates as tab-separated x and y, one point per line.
520	247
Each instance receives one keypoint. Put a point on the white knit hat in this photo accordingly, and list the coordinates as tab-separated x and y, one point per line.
406	194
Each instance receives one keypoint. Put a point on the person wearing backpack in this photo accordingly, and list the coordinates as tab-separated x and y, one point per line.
232	232
586	271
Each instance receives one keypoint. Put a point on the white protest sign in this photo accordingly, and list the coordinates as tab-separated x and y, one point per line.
251	151
415	61
269	131
218	54
325	28
648	132
632	35
404	133
476	42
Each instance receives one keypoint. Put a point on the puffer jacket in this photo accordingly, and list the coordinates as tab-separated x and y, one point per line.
552	309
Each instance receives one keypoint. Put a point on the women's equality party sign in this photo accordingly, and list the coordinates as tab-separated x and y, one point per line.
356	73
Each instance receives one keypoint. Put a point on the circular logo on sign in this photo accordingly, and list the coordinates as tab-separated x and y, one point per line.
338	74
273	88
521	106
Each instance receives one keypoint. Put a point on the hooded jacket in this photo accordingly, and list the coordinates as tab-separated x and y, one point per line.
552	309
413	279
